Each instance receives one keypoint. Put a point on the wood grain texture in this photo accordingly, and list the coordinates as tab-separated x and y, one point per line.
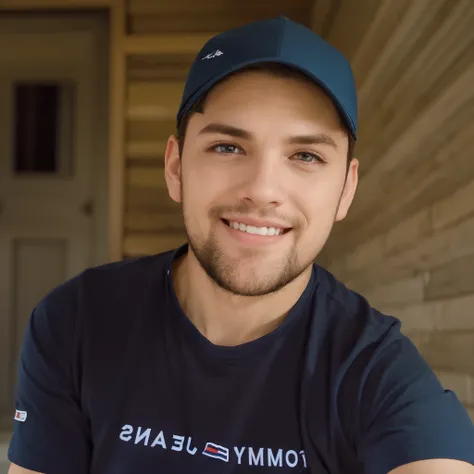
424	255
159	67
24	5
323	16
209	7
151	177
141	244
154	100
177	42
344	23
414	67
137	221
188	16
116	158
149	200
456	278
449	350
151	130
146	152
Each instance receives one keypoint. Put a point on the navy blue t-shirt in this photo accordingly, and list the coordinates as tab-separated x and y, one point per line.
115	379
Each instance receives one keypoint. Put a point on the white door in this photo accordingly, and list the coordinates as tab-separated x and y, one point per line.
48	175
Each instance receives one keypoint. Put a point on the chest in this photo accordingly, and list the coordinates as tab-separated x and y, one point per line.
179	409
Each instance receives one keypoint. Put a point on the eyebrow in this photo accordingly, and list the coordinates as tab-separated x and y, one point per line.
224	129
317	139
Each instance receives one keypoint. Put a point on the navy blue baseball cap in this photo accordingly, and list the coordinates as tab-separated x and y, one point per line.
278	40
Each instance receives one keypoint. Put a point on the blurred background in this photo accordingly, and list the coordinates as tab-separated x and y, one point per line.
89	90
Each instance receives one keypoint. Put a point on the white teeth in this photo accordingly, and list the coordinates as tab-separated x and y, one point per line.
255	230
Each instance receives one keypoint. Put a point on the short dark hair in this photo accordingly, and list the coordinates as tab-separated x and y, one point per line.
273	69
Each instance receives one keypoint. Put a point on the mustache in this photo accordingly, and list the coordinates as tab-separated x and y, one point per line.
245	209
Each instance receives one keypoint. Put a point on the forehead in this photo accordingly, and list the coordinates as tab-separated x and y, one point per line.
273	97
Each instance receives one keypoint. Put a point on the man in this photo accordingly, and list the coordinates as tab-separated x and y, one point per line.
236	353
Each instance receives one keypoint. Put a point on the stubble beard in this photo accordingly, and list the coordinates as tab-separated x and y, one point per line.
243	277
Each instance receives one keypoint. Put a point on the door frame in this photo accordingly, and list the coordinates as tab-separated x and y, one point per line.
110	227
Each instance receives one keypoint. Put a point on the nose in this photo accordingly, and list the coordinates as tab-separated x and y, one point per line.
262	184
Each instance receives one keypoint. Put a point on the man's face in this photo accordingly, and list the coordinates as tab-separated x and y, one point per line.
262	179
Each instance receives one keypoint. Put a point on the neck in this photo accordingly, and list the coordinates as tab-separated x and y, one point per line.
226	319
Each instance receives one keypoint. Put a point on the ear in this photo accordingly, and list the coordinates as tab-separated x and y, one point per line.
173	168
349	190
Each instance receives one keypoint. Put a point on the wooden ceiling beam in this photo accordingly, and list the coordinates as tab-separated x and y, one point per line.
15	5
172	43
185	7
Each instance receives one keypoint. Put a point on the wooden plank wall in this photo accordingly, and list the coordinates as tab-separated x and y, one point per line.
153	221
160	52
408	242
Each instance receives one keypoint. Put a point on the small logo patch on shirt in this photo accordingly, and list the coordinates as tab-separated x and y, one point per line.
215	451
20	415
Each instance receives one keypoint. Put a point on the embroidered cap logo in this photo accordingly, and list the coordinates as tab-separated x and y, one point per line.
213	55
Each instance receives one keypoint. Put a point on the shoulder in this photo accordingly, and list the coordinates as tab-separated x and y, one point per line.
353	326
125	275
100	293
110	281
370	356
382	391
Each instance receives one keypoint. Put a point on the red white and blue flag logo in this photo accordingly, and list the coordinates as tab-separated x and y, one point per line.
215	451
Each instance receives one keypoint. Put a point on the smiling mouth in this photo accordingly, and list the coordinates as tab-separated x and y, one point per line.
250	229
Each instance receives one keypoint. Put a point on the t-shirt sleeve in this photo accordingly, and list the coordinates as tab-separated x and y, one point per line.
406	415
50	431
